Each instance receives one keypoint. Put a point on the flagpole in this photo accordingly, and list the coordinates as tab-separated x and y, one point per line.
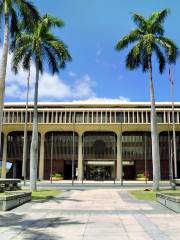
173	122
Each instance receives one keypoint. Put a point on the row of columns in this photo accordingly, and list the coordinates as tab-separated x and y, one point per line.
80	157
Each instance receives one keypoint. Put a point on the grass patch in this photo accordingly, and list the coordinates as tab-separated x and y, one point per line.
143	195
150	195
44	194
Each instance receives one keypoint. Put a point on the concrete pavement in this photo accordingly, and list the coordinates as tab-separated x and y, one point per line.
91	214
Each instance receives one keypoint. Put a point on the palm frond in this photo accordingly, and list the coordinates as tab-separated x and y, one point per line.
41	68
27	12
144	60
14	24
139	20
159	17
170	47
61	50
160	58
157	29
1	11
40	45
51	21
52	60
156	20
26	63
133	36
18	57
133	59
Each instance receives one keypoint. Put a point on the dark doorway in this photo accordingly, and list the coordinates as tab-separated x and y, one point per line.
129	172
68	170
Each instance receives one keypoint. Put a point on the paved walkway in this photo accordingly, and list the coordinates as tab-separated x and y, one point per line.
91	214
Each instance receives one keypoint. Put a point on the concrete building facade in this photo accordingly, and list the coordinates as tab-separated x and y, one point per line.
103	141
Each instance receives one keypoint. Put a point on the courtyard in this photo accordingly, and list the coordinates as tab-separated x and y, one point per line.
90	211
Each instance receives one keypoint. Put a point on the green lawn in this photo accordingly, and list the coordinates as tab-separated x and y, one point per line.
150	195
45	194
41	194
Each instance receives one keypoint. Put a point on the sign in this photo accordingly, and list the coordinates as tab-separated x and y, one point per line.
128	163
100	163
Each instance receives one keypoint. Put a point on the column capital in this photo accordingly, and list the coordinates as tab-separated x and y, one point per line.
42	133
5	133
118	132
80	134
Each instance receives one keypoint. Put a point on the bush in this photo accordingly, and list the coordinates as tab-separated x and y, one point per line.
140	175
57	175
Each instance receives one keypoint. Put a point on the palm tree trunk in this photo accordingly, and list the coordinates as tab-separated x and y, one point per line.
25	133
3	67
154	133
34	142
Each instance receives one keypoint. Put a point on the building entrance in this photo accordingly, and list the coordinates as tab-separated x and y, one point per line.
99	173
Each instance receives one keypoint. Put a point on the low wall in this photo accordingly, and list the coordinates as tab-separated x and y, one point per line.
171	201
9	184
10	200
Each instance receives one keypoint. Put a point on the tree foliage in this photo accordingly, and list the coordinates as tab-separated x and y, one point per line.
148	38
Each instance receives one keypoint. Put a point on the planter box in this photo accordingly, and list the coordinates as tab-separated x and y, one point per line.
11	200
177	181
9	185
142	179
56	179
169	200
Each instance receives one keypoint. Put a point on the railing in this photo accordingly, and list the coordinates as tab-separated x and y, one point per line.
98	116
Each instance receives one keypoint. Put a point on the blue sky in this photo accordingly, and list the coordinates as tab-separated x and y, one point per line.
97	70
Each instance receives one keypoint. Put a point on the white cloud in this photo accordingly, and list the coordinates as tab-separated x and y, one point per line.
72	74
83	87
105	100
100	60
53	88
121	77
50	87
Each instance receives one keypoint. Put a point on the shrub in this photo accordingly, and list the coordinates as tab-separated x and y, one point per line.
57	175
140	175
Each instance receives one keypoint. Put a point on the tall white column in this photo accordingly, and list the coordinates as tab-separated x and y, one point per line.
119	173
4	158
80	158
41	159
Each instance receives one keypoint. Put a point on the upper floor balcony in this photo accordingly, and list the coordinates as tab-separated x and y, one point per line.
90	116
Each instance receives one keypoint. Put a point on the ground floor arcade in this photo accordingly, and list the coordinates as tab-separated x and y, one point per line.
97	155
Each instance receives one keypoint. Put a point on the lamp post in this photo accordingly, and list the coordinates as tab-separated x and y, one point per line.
145	158
24	162
73	150
52	138
122	173
115	165
173	122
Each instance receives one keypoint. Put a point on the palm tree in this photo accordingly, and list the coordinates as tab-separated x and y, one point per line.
13	12
39	46
148	39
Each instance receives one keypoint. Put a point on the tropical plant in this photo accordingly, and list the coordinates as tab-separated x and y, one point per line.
13	12
41	47
148	39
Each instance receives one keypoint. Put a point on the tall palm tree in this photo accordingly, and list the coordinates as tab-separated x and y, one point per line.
12	12
39	46
148	39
